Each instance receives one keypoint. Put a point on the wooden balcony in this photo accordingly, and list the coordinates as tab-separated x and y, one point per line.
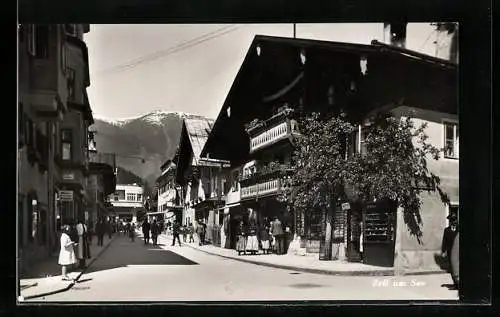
265	188
278	128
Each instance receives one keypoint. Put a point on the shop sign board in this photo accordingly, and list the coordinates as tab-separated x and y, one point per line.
66	195
346	206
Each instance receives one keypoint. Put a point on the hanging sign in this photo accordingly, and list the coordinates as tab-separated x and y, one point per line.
346	206
68	176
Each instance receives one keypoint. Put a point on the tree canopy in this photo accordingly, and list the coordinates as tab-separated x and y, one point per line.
392	166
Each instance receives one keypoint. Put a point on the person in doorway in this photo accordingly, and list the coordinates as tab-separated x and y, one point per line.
202	229
277	231
447	247
191	232
100	229
176	230
155	231
252	245
241	236
264	238
67	253
146	227
83	245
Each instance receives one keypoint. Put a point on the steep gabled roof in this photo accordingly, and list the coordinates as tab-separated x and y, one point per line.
198	129
376	50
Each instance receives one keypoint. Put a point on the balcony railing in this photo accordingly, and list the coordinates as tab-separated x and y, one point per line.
273	135
264	188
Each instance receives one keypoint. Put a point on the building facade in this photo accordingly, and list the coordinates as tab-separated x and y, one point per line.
53	117
169	198
202	186
256	128
101	184
128	202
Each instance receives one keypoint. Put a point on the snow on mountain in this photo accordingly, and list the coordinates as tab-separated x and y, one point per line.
155	117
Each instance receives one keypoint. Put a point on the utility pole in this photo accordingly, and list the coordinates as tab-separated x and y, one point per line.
294	30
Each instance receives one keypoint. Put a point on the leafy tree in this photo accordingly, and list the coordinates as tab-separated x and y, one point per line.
394	165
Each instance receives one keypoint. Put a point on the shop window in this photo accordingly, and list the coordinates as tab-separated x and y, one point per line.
131	197
451	140
66	144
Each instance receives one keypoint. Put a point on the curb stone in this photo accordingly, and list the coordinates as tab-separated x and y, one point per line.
67	288
388	272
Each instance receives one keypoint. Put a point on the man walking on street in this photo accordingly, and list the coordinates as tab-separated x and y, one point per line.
277	231
145	231
176	231
100	229
449	247
201	231
155	230
191	232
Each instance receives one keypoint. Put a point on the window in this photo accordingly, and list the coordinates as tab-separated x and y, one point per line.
70	29
131	197
120	194
450	140
66	142
38	44
139	197
64	59
31	39
224	187
70	83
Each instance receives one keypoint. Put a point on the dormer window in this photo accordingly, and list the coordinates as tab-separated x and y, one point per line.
70	29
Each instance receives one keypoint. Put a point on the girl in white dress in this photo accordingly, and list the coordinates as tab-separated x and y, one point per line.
67	253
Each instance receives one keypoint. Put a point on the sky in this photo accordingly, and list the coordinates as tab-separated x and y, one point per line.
138	68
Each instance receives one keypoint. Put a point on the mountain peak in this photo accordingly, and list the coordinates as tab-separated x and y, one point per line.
153	117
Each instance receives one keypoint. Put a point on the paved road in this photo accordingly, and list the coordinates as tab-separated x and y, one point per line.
132	271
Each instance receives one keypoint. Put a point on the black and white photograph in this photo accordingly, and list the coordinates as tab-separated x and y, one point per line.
238	162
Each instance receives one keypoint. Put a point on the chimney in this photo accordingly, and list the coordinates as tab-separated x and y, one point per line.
395	34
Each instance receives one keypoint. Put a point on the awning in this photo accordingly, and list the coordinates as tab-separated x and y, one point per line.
232	205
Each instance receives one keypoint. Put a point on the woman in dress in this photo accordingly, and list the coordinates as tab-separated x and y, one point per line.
264	238
252	241
241	242
67	253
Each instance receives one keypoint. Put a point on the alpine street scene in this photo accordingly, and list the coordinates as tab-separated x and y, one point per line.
237	162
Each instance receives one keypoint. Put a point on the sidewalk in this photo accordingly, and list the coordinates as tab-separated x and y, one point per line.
45	278
308	263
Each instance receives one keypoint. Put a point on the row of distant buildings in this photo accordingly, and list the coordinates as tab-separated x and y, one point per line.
61	177
239	161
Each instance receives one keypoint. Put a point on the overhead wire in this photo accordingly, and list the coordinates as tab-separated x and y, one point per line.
174	49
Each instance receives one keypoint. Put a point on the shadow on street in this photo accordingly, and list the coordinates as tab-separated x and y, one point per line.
123	252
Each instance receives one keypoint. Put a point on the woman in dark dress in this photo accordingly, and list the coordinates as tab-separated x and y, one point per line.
264	239
241	236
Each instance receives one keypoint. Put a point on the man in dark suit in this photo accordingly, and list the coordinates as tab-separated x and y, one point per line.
448	248
146	227
176	229
277	231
